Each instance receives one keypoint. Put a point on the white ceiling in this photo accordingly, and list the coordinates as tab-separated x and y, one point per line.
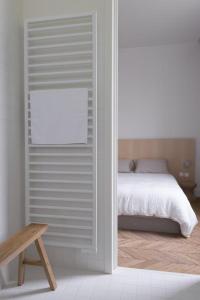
157	22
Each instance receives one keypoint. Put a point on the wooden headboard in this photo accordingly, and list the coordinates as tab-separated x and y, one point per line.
175	151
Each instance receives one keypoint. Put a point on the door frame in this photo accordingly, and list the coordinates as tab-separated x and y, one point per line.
111	236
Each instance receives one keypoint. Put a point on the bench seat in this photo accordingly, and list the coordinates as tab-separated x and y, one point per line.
16	246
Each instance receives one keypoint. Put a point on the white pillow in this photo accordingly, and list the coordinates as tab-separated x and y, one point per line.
151	166
125	165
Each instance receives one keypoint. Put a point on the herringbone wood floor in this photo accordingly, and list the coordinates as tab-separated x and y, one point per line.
163	252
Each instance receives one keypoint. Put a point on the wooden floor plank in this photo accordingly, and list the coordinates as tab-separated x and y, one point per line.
163	252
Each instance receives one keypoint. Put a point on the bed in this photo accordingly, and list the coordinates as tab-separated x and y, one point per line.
157	196
155	201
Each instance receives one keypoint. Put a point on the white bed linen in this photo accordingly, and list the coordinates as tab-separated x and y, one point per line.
156	195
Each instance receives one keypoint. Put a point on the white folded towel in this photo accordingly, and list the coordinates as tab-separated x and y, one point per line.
59	116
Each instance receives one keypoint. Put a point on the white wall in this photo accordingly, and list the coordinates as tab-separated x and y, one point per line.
11	101
159	93
45	8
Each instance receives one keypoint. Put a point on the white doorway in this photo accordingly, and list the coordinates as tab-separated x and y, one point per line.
158	103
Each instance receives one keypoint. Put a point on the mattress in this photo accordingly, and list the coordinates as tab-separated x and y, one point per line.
155	195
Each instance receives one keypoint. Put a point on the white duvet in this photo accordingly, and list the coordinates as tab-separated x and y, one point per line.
156	195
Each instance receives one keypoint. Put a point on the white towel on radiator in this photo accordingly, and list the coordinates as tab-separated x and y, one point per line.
59	116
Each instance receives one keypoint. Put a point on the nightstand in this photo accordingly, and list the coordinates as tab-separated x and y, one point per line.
188	188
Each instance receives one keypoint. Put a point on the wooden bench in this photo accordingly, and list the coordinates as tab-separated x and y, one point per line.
17	245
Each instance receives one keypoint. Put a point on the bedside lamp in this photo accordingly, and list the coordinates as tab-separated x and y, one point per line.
185	172
186	164
187	184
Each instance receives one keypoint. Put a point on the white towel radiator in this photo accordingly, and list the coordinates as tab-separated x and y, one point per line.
61	180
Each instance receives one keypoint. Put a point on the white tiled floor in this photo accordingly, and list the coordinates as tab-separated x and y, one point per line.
124	284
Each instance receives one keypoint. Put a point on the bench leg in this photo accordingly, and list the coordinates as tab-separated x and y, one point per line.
46	264
21	269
